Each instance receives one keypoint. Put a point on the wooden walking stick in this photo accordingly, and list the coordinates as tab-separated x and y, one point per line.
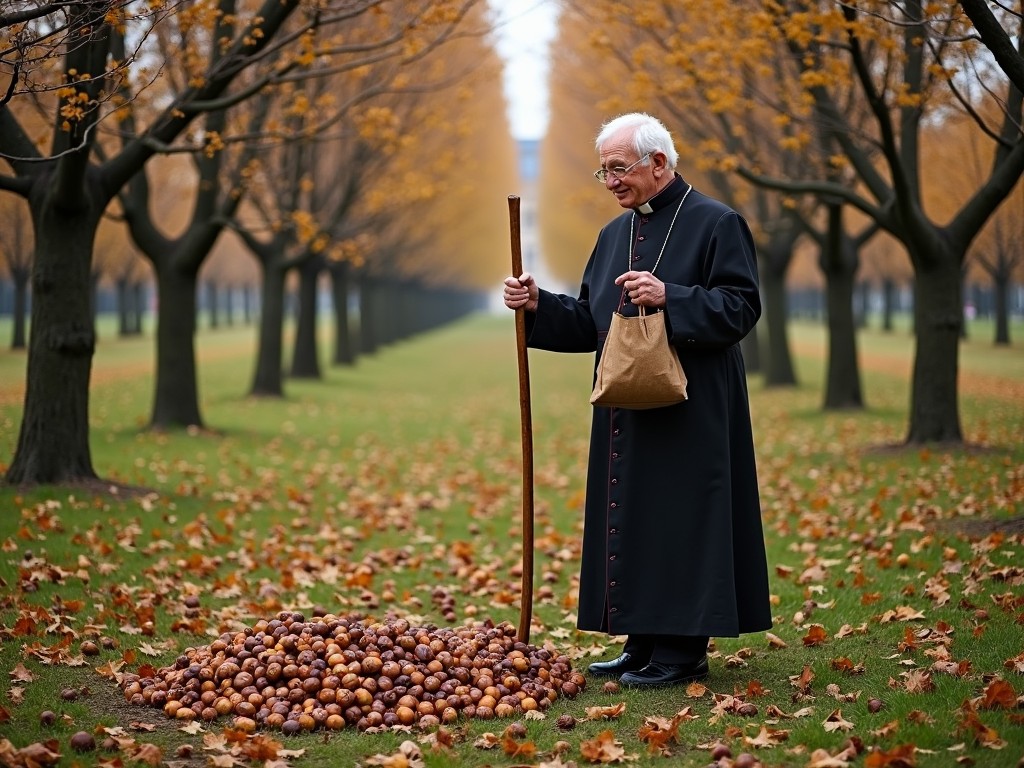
526	431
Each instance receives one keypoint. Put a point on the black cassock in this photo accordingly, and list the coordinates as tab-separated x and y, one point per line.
672	540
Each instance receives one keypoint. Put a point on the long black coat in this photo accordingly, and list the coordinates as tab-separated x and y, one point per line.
672	538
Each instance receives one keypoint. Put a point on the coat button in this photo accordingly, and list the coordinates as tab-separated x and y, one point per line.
641	237
613	610
615	455
616	432
615	481
614	505
612	583
613	530
611	557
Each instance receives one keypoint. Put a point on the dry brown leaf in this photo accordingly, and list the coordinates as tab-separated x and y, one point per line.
40	753
487	741
886	730
260	747
659	731
604	748
696	690
901	613
836	693
836	722
766	738
918	681
822	758
513	748
999	694
971	724
21	674
816	635
902	756
606	713
150	754
802	682
409	755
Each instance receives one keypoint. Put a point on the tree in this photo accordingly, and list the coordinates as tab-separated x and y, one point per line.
904	83
68	191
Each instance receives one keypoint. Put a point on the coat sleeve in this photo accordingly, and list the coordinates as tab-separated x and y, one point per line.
563	323
722	310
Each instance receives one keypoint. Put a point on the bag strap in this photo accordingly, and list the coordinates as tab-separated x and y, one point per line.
632	242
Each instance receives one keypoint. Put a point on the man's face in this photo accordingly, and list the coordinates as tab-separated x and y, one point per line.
641	183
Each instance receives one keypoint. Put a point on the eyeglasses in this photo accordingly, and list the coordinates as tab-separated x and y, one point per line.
601	174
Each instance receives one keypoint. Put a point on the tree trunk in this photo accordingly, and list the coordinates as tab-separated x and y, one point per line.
20	278
934	410
779	365
124	323
139	303
212	304
305	360
267	378
176	398
888	300
368	340
344	349
863	307
839	262
53	444
1001	289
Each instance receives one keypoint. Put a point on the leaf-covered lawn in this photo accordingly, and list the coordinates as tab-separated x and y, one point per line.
393	490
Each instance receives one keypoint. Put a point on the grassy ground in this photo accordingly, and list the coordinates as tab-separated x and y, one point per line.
896	573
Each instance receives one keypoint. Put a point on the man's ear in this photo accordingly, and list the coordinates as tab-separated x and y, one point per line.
659	159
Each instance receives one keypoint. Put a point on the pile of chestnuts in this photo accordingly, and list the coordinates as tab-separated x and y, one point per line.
335	672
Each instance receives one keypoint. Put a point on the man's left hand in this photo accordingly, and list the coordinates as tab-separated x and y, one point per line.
643	288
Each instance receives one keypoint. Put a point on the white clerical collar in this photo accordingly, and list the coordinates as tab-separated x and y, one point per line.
645	208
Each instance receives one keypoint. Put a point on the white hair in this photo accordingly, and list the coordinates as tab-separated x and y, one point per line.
649	135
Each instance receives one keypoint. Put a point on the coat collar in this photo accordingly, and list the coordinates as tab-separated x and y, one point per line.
666	197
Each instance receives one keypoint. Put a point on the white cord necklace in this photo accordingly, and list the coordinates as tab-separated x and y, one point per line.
632	242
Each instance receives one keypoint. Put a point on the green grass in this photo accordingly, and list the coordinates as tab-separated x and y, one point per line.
388	464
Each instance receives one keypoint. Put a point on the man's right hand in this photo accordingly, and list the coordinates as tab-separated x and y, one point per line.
521	292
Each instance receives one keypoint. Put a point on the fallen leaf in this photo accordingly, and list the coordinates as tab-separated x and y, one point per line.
999	694
408	755
606	713
766	738
816	635
21	674
836	722
604	748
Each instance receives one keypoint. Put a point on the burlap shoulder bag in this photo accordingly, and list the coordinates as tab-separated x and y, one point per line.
639	368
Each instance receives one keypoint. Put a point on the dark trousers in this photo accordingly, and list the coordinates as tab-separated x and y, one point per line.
668	649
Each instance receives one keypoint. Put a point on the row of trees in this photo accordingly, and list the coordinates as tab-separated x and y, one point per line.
825	123
326	136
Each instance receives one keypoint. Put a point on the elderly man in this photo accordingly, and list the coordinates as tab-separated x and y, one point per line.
673	550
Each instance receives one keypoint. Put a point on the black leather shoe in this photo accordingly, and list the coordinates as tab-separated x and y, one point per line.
656	673
627	662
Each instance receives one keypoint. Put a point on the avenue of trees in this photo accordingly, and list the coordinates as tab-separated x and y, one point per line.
338	137
825	124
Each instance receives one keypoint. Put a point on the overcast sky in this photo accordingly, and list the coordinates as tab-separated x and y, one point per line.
524	34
